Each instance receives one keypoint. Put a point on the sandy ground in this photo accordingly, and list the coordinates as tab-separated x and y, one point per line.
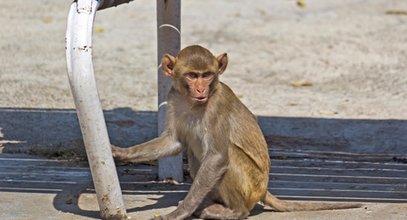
351	53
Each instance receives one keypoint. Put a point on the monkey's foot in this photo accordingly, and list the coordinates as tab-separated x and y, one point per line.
218	211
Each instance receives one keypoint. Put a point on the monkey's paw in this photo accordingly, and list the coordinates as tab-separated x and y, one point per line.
116	151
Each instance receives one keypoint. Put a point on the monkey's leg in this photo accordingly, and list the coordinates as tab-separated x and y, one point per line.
162	146
212	169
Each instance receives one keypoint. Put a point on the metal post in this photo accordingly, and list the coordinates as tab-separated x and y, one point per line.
89	111
169	40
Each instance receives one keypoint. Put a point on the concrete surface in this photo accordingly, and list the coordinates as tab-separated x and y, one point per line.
33	187
338	136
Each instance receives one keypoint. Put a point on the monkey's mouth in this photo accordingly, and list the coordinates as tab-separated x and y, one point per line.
200	100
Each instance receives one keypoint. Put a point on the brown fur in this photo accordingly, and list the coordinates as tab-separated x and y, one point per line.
227	152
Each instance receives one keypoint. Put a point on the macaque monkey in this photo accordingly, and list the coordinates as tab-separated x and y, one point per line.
227	153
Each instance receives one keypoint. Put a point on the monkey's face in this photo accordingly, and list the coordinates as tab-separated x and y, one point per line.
198	85
194	72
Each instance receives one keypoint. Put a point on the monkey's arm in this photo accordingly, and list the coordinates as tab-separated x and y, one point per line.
165	145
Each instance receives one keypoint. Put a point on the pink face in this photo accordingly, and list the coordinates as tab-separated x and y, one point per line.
198	85
194	72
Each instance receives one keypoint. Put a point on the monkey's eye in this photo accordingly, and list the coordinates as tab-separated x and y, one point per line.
192	75
207	75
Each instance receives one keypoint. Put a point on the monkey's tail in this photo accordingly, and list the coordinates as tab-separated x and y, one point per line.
284	206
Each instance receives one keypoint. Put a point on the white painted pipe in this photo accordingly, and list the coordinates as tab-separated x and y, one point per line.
89	110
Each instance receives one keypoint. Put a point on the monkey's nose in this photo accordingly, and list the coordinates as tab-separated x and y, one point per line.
200	90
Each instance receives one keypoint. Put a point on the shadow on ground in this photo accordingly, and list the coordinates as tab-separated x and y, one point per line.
35	129
312	158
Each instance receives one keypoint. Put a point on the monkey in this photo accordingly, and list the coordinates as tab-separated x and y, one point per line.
227	152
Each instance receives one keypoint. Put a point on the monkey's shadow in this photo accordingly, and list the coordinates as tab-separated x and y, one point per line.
321	159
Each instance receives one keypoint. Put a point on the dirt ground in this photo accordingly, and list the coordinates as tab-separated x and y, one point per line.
342	59
353	52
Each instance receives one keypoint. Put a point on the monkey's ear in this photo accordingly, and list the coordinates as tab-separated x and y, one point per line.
167	64
223	62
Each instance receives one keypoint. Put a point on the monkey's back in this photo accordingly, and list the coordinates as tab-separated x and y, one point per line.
246	179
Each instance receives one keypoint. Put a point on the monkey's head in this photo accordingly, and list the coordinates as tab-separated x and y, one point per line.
195	72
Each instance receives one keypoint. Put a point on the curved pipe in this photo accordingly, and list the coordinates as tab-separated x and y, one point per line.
89	110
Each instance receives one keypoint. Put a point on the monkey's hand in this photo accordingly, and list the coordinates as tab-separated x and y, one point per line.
119	153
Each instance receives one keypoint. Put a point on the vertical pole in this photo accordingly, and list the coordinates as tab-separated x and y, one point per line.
169	40
89	110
